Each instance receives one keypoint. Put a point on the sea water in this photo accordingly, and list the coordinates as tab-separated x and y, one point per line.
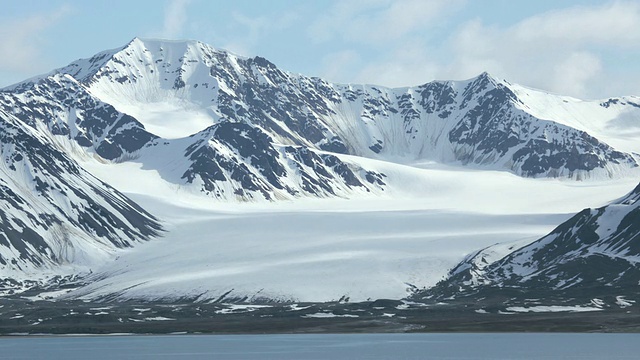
326	346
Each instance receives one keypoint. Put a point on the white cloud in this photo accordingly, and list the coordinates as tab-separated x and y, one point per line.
23	38
566	51
571	75
560	51
390	34
337	65
175	17
615	23
248	32
406	64
378	21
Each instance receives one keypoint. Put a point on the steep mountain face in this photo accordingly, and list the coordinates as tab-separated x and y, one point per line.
480	122
59	106
236	158
150	92
229	159
595	254
53	212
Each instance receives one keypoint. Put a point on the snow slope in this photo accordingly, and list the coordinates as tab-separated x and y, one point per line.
616	121
382	246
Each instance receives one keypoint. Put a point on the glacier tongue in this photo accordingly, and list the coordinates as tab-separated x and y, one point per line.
310	249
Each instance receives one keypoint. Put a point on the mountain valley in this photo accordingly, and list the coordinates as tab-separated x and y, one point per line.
171	171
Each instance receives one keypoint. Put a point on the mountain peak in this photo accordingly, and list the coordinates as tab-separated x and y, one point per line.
487	77
130	58
174	46
157	43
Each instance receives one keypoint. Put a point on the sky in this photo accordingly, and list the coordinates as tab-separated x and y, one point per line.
582	48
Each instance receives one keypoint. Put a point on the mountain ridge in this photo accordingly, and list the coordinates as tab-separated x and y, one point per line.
476	122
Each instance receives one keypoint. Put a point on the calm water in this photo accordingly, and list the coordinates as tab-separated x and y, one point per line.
369	346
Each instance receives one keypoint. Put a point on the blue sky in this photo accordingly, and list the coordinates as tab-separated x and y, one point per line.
587	49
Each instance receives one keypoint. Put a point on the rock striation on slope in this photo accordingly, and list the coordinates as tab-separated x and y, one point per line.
53	212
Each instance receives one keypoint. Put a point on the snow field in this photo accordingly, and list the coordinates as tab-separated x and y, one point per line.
379	246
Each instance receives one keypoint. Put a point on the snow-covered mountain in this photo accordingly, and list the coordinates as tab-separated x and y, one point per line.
53	212
594	254
229	158
242	128
181	126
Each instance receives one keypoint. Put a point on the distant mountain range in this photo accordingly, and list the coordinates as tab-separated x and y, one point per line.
232	128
